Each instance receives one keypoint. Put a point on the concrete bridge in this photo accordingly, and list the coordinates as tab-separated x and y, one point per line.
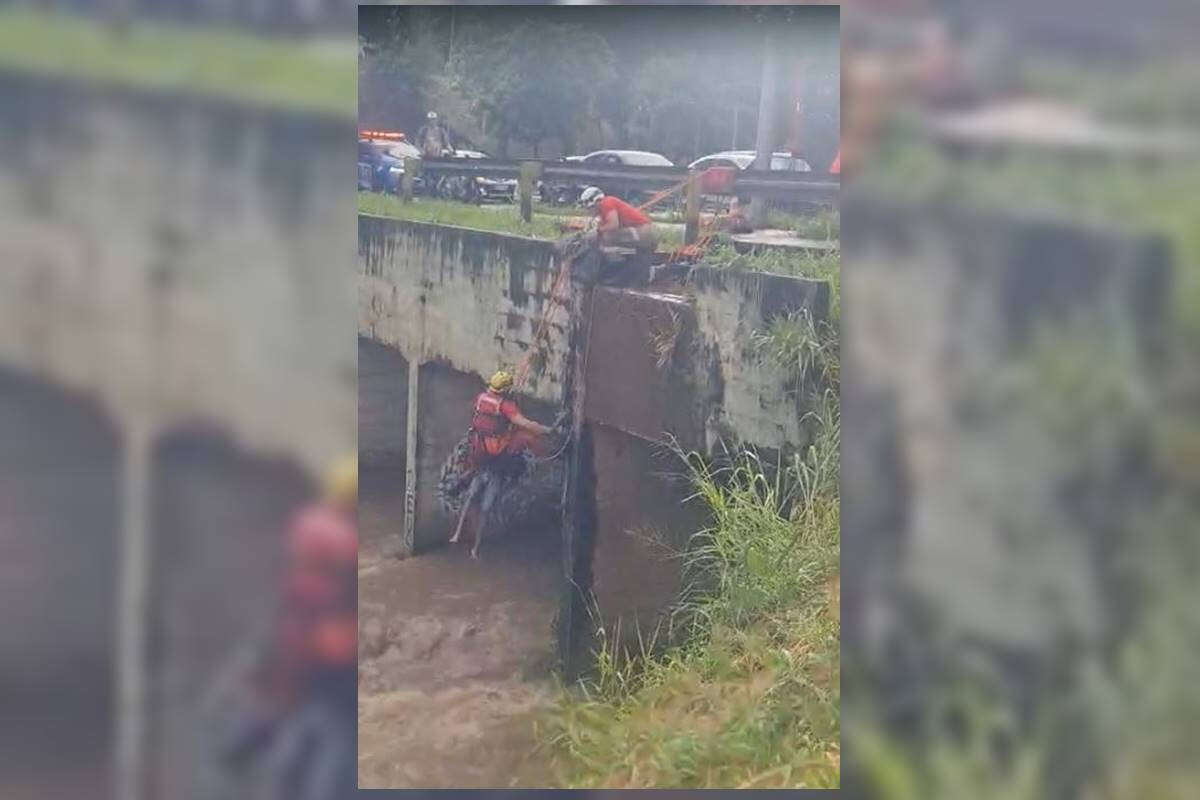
177	364
451	305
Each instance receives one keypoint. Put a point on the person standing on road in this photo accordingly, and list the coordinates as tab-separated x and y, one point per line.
433	138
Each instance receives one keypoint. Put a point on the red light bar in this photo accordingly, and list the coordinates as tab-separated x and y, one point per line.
381	135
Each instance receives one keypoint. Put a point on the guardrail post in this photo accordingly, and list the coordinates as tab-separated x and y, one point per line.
411	165
692	215
530	170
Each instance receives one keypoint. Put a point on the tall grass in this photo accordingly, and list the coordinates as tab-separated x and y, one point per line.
749	695
806	349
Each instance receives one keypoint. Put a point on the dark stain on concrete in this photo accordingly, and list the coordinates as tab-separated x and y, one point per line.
513	320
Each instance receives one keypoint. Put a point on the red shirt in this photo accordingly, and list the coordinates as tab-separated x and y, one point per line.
509	409
628	216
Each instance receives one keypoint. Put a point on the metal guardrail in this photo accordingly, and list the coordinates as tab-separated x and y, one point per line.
780	185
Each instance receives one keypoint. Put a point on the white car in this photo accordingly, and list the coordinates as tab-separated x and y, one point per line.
743	159
628	158
569	192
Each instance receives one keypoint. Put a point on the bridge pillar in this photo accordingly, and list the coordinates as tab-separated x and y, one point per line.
132	678
579	495
407	535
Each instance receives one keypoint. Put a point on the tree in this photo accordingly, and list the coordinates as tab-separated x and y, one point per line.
534	81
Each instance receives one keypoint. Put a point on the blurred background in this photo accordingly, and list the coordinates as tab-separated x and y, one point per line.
1020	391
1022	451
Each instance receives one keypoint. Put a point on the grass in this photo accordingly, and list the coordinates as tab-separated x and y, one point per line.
825	225
1118	720
750	698
465	215
804	348
800	264
505	219
305	76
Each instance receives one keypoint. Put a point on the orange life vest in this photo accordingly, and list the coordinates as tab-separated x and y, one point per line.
489	419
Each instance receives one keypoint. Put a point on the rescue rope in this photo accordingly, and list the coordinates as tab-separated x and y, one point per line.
557	290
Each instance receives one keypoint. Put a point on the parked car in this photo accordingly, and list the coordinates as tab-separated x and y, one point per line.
381	163
476	189
743	159
567	192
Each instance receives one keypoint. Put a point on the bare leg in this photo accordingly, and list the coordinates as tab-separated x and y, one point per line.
489	498
472	490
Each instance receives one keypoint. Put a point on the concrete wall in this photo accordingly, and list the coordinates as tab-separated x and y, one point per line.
656	366
185	266
684	364
60	461
382	405
165	260
470	299
957	497
217	523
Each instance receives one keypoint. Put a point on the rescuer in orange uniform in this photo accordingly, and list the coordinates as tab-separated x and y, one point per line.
288	703
319	625
499	432
619	223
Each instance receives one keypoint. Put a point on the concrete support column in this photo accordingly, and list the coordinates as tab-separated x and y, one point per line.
132	678
579	494
410	461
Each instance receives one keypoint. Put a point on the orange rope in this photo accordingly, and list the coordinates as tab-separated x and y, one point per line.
557	294
665	193
556	298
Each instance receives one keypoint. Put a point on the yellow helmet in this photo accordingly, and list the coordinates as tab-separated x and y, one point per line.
341	483
500	382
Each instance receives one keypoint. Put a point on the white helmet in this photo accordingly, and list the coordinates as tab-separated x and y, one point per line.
431	115
591	196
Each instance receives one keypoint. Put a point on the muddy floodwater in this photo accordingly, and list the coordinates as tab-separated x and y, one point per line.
454	654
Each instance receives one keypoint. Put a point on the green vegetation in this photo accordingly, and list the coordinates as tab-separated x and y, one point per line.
804	348
749	695
801	264
649	81
506	219
751	698
1079	419
315	76
502	219
825	225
